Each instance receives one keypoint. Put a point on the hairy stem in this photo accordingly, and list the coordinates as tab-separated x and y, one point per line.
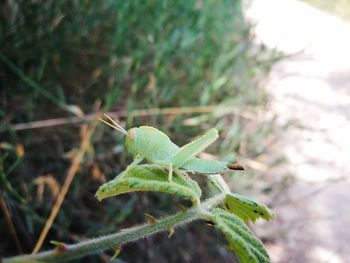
67	252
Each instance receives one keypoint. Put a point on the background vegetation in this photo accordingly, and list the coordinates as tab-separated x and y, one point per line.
71	58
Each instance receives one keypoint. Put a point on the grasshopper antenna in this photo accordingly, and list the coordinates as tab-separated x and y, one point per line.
116	124
113	124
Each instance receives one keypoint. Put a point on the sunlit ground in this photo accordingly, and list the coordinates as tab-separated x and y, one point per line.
311	92
340	8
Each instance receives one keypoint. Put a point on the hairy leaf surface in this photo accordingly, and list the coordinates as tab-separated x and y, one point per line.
150	178
241	240
246	209
219	183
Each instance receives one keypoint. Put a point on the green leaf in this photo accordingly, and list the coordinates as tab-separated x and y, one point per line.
219	183
246	209
150	178
241	240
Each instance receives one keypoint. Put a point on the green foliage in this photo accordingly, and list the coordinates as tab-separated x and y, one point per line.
129	55
246	209
104	49
150	178
219	183
241	240
153	178
241	206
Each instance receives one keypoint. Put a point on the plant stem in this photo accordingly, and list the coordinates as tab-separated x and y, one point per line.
67	252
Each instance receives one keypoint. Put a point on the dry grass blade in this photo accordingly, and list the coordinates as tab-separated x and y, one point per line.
85	140
10	224
51	182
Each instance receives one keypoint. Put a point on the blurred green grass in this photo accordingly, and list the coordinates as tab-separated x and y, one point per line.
128	55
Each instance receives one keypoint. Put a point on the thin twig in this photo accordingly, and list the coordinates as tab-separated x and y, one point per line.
245	113
65	252
10	224
71	173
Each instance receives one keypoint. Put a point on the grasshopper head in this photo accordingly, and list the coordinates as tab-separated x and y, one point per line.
130	141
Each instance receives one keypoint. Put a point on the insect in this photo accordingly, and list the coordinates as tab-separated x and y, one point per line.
150	144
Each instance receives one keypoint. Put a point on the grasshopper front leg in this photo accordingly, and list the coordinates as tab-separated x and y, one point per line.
136	161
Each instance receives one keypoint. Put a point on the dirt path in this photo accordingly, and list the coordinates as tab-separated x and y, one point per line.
311	90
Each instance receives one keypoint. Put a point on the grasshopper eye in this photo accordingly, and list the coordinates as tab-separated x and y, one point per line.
130	141
132	134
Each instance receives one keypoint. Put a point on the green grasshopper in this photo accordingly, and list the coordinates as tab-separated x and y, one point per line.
151	144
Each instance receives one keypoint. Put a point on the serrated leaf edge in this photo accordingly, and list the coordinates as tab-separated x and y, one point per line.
250	248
